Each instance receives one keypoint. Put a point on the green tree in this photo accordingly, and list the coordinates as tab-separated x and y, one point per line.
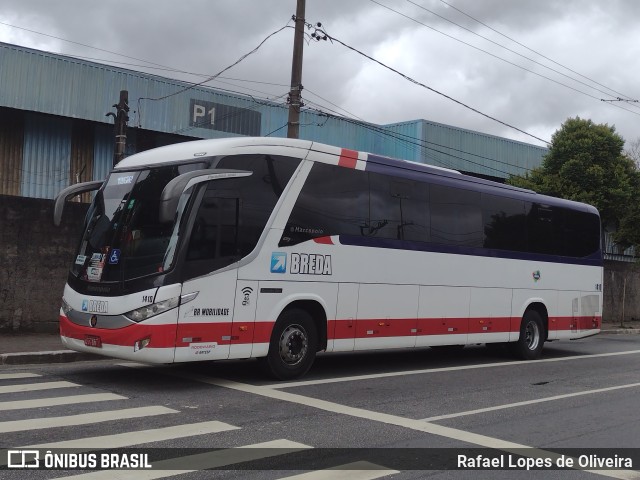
586	163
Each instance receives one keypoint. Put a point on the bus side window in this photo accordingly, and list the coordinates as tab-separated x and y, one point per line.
456	216
505	226
399	208
333	201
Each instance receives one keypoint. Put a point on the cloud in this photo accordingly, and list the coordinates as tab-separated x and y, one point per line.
597	40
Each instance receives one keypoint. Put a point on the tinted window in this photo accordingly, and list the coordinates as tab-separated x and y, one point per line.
456	216
581	233
545	227
399	208
233	212
333	201
505	226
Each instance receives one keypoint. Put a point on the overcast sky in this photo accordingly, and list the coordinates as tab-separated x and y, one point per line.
599	41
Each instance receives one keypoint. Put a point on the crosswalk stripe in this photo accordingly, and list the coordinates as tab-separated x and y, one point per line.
350	471
202	461
54	401
12	376
32	387
82	419
128	439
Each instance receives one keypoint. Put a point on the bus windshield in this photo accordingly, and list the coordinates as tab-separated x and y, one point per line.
126	237
123	237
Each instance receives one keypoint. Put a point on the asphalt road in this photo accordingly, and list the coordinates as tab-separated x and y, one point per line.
407	414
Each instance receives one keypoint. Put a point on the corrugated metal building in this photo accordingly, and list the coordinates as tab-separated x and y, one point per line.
54	132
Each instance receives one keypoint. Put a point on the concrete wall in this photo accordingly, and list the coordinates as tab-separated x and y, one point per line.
34	260
616	274
35	257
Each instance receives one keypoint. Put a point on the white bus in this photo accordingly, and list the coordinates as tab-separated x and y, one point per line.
277	249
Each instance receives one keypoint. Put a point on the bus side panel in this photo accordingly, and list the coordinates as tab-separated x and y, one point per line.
244	317
443	316
580	316
490	315
591	306
387	316
342	332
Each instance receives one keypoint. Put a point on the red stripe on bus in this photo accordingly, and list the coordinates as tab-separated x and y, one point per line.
238	333
324	240
162	336
348	158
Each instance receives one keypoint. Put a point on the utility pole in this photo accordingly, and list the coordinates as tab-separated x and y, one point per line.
295	94
120	119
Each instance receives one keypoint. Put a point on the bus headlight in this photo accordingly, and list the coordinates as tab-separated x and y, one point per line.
149	311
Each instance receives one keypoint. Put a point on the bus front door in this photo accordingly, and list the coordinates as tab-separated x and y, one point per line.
204	322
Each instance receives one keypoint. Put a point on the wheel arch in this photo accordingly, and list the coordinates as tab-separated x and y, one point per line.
317	310
540	308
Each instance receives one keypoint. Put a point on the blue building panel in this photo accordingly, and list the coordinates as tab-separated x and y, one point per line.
46	156
70	88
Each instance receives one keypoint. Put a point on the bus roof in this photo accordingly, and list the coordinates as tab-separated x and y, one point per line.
200	149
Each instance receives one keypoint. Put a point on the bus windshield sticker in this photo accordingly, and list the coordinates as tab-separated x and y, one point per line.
96	266
114	257
80	259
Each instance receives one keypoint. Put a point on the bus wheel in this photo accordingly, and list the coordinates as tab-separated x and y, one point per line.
293	345
529	345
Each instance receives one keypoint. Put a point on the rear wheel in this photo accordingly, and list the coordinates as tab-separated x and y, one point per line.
529	345
293	345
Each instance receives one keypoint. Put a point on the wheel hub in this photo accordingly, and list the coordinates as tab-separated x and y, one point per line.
293	344
532	335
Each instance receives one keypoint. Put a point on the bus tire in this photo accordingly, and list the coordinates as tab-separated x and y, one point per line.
293	345
529	345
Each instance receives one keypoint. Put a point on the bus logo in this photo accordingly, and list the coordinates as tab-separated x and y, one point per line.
278	262
95	306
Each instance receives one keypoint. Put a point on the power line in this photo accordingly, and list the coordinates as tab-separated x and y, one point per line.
212	77
500	58
426	145
506	48
531	50
412	80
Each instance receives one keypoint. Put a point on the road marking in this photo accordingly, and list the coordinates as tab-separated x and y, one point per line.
82	419
55	401
128	439
350	471
202	461
418	425
438	370
11	376
529	402
31	387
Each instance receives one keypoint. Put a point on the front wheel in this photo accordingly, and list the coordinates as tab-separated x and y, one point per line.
529	345
293	345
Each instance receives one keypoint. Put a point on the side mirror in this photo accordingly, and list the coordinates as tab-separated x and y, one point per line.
70	192
175	188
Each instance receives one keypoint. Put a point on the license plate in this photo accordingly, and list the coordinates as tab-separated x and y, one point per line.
92	341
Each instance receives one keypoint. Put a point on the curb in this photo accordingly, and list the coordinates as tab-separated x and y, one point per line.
55	356
621	331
